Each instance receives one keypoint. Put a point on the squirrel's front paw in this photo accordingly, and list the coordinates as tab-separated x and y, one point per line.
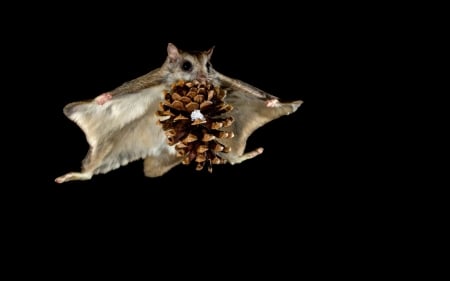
100	100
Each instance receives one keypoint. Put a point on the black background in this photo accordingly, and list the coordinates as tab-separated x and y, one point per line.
307	200
78	53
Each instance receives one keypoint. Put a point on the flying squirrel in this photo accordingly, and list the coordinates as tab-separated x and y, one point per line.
184	111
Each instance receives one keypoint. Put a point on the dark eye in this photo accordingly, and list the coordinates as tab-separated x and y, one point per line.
186	66
208	66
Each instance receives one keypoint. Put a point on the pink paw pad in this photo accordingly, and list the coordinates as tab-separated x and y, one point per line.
103	98
272	103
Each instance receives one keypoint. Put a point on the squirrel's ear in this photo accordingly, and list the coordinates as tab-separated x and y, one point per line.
172	52
210	52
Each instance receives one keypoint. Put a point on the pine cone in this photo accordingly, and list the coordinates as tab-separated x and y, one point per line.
193	122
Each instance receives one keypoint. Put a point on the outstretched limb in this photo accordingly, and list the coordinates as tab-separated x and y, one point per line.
245	156
93	163
73	176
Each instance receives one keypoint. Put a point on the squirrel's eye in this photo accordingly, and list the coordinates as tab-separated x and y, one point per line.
208	66
186	66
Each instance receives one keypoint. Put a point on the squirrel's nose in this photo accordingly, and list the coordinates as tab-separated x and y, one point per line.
202	77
